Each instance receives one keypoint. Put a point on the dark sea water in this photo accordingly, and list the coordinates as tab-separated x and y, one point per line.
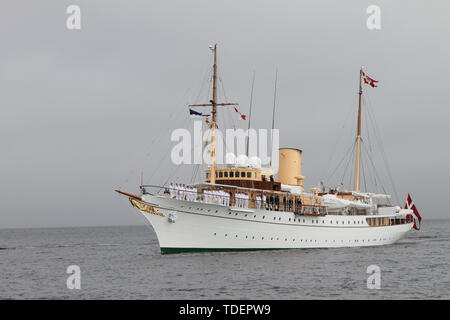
125	263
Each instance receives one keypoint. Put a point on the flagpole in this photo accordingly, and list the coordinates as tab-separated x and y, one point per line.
358	137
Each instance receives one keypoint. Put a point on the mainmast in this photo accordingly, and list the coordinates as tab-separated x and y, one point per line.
358	137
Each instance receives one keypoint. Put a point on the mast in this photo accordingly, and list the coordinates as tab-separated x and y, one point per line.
358	137
213	103
213	123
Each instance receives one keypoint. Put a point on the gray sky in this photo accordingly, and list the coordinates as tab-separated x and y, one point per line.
83	112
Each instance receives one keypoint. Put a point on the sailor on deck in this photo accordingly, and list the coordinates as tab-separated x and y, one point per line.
172	194
194	194
258	201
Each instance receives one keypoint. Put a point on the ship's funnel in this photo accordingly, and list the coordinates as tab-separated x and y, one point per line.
290	166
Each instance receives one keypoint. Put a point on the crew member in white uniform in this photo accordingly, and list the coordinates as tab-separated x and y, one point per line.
258	201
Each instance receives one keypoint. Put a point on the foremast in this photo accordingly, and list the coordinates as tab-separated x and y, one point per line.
213	124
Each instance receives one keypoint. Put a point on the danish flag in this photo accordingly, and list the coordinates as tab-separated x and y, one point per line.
409	204
368	80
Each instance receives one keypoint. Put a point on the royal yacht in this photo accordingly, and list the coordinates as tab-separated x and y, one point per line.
244	206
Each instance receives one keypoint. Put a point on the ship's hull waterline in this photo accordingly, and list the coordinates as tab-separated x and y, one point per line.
186	226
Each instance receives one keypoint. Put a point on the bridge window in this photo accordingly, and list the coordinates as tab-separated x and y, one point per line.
249	174
242	174
220	174
225	174
231	174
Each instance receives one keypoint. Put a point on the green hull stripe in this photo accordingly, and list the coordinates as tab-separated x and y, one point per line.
180	250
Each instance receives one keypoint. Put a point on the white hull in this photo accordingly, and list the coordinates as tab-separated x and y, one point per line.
200	226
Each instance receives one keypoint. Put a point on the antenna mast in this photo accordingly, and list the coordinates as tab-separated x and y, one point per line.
273	112
250	112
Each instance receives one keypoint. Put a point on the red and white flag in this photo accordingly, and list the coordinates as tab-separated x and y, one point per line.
409	204
368	80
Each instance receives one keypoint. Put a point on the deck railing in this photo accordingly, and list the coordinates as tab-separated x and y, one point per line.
236	199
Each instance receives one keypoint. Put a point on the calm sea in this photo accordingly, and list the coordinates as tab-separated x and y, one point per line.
125	263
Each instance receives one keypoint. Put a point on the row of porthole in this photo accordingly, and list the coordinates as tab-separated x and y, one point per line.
279	218
301	240
312	221
262	238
